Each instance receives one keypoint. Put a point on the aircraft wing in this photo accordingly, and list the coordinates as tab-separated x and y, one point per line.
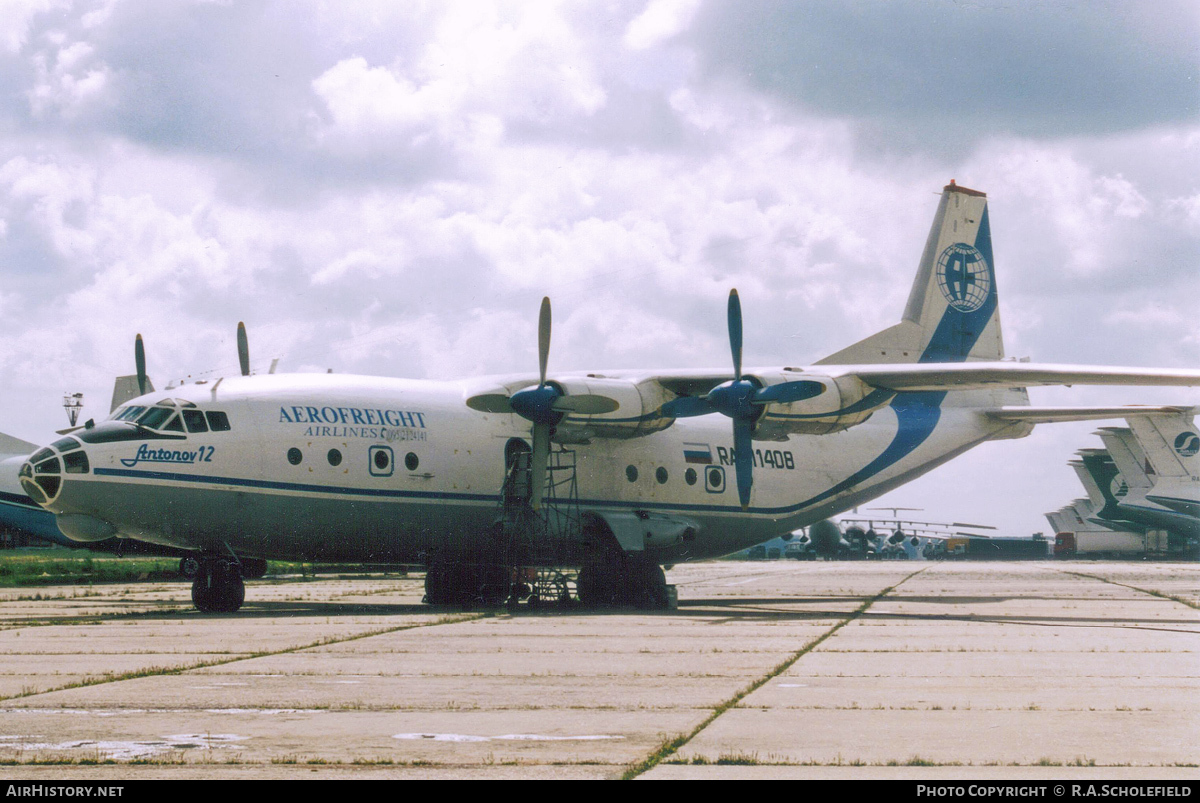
1050	415
978	375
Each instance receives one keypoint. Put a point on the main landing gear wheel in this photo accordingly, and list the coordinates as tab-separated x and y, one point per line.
467	584
628	582
218	587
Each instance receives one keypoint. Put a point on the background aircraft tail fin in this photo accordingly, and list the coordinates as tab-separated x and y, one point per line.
126	388
1108	480
1128	456
1171	444
15	446
952	313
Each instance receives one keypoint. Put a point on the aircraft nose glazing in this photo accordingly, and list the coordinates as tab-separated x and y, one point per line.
42	474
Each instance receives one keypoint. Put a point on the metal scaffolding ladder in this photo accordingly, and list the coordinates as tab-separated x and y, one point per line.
537	543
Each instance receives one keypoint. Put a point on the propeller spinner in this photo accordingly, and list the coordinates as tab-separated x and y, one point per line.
743	400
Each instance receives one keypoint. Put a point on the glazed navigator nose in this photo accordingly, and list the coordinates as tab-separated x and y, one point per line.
42	474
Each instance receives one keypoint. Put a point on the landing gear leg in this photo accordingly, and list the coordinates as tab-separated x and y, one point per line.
218	587
624	581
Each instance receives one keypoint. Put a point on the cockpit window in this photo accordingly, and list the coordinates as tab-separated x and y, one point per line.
129	413
66	444
218	421
155	417
195	421
174	425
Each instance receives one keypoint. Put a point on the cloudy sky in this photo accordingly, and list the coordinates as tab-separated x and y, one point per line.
390	188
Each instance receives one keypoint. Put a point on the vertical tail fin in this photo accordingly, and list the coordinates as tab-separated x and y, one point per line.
1171	444
1108	481
952	313
1127	455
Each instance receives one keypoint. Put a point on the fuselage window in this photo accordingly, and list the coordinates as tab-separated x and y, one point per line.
218	421
174	425
295	456
335	457
195	421
411	461
631	473
689	476
380	461
660	474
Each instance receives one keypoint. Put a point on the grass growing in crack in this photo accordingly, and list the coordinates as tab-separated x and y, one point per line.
672	744
163	671
1151	592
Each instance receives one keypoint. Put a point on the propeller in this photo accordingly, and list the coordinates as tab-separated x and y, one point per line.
139	359
544	406
743	400
243	346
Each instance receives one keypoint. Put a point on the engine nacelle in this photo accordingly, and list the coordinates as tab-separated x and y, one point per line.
636	415
845	402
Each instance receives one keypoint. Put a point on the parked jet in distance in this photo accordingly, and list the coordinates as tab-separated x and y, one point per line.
468	476
1170	451
1148	465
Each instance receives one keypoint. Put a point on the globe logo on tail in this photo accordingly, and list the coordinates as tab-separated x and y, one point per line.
963	277
1187	444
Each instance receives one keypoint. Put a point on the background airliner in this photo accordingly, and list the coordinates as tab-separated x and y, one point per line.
616	472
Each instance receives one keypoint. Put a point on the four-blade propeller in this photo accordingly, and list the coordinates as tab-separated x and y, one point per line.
743	400
544	406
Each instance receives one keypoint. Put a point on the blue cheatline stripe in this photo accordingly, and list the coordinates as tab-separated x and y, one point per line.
917	414
388	493
871	401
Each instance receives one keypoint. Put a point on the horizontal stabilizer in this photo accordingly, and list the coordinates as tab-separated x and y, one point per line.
982	375
1050	415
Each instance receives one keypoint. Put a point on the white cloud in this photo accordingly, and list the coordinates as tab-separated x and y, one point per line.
460	160
661	20
65	82
16	17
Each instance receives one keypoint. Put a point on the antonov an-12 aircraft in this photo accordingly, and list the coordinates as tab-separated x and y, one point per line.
661	466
